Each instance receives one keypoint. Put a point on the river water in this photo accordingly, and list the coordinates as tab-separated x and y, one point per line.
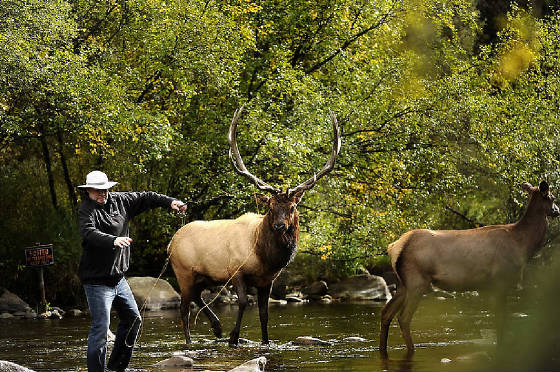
452	334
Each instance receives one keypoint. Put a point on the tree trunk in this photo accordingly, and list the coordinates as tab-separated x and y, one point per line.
71	192
47	160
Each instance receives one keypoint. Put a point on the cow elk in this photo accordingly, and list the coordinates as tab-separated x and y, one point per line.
489	258
251	250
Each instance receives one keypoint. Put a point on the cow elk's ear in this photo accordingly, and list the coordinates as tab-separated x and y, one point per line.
543	188
297	196
262	199
527	187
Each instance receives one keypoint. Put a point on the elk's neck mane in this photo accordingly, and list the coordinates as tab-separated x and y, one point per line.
277	249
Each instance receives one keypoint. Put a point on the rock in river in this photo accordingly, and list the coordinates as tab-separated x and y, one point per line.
176	361
361	287
308	340
162	295
6	366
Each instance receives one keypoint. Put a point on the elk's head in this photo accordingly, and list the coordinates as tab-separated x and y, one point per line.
282	212
542	199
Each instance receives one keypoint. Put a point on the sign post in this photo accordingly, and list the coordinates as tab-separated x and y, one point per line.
40	256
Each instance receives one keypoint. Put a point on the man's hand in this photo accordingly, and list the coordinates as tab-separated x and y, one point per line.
122	242
179	206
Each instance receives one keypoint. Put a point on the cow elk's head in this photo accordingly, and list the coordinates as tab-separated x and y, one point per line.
281	205
542	197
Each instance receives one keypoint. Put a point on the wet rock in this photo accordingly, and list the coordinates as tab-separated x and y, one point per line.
326	299
75	312
253	365
294	299
54	314
308	340
445	360
6	366
176	361
277	302
30	315
161	294
318	288
361	287
354	339
11	303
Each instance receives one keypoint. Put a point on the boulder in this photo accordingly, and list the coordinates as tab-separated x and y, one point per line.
254	365
175	361
308	340
11	303
75	312
361	287
318	288
6	316
354	339
6	366
162	295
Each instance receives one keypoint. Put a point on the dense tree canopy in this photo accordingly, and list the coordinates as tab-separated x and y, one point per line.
441	118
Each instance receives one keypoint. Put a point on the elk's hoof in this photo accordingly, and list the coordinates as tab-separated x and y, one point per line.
217	332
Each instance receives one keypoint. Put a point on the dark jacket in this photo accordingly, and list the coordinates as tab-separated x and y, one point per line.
100	224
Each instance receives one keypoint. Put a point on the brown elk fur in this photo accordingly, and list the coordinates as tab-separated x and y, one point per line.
247	250
488	258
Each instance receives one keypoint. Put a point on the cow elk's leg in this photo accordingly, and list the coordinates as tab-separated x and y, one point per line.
388	312
410	304
241	290
263	295
214	321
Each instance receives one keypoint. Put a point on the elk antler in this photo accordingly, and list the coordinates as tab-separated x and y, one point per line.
329	165
235	157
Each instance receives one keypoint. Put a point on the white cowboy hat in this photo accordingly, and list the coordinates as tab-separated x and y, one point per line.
98	180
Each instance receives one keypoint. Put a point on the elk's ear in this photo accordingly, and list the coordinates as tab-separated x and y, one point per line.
543	187
527	187
262	199
297	197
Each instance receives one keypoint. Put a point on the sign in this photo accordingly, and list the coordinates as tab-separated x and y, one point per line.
41	255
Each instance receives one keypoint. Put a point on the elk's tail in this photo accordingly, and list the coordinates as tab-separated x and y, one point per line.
395	251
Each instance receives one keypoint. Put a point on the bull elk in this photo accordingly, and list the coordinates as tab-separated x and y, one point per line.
487	258
251	250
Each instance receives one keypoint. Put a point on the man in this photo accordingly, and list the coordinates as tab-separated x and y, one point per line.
104	217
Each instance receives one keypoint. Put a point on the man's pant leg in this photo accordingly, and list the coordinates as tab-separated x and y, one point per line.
100	299
128	328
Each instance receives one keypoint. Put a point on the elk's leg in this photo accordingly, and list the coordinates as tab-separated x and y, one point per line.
263	295
186	296
411	300
388	312
214	321
241	289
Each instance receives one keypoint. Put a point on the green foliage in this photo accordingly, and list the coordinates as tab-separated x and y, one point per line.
433	120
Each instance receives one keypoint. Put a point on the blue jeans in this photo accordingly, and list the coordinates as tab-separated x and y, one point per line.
100	299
